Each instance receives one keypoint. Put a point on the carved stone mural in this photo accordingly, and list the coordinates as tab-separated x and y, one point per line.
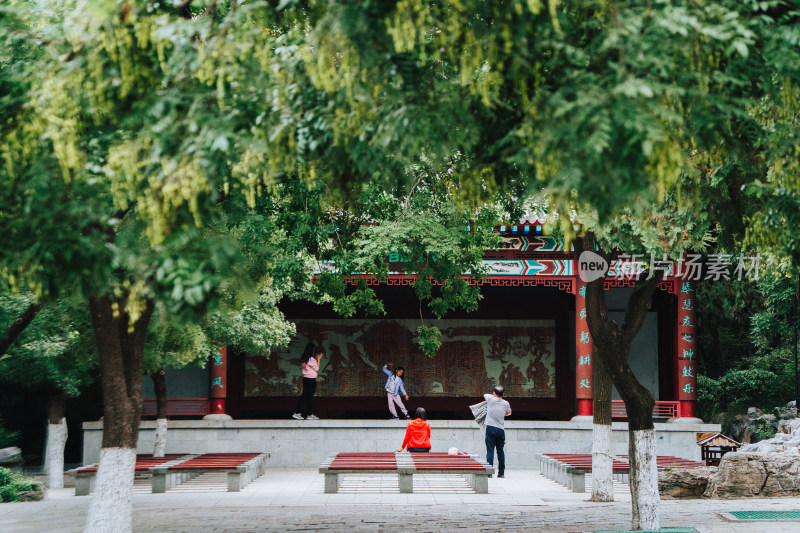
474	356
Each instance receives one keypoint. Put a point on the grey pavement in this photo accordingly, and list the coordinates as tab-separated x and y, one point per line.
292	499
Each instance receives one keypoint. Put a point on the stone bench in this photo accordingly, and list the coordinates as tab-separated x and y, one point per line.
405	465
242	468
86	475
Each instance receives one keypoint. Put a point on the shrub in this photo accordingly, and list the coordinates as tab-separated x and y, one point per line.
708	397
738	389
12	484
762	430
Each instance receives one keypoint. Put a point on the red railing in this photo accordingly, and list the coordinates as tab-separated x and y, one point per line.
178	407
661	409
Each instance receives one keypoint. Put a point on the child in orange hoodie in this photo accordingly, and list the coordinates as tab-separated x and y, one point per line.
418	433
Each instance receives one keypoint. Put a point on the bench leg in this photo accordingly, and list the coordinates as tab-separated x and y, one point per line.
577	482
331	483
406	482
159	483
480	482
83	485
234	481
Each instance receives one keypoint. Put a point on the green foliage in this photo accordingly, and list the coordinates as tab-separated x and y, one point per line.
737	390
8	437
171	345
598	104
12	484
744	370
256	327
708	397
429	339
762	430
56	351
724	311
208	163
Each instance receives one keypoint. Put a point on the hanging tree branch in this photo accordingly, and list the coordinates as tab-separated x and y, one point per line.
17	327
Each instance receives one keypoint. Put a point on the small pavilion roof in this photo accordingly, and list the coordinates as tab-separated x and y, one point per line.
715	439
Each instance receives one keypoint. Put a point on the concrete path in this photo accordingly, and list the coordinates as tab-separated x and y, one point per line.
293	500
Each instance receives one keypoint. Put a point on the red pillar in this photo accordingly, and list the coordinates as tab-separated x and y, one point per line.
584	388
218	390
686	350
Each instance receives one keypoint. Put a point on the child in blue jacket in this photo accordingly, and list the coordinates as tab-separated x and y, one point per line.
393	385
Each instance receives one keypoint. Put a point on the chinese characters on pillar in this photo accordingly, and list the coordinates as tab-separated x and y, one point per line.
583	346
686	376
219	373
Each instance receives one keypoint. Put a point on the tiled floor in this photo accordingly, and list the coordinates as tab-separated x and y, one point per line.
294	500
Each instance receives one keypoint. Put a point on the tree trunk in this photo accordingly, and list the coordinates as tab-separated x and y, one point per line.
17	327
120	346
602	455
160	387
613	345
643	479
56	440
639	405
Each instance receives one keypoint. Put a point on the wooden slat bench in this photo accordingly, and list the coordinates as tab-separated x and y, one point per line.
670	461
242	468
570	469
475	471
406	465
85	476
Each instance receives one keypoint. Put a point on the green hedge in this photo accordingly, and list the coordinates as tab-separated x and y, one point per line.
12	484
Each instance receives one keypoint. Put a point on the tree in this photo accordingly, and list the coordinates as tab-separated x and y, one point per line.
752	370
137	201
170	346
81	210
665	230
53	357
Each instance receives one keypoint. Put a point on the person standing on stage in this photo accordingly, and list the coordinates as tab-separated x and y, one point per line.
309	364
497	409
394	385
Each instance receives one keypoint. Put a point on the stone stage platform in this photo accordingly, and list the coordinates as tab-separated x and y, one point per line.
306	443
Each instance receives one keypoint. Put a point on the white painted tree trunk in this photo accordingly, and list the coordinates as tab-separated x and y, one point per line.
644	480
602	464
46	451
110	509
54	462
161	438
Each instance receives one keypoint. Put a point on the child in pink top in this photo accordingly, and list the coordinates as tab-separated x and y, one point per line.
309	364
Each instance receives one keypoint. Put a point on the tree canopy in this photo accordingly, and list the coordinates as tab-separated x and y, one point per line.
202	158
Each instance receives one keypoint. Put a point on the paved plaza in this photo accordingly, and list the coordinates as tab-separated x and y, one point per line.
292	499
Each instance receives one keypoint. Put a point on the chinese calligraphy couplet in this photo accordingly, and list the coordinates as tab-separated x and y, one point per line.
218	388
584	390
686	349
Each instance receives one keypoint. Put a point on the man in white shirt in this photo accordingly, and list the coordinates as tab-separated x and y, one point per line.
497	409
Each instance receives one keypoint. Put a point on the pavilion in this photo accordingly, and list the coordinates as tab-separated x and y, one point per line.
529	334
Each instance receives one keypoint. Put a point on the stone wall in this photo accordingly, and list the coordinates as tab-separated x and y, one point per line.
303	443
